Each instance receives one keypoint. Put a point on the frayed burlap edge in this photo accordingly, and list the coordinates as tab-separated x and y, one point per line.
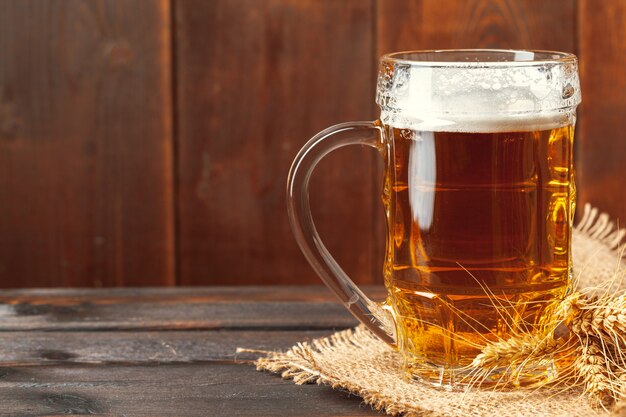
356	361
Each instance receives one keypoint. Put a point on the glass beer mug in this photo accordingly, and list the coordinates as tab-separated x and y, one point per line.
479	198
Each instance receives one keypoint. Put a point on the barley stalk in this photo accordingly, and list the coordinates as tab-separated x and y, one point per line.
526	347
516	349
594	370
604	318
597	329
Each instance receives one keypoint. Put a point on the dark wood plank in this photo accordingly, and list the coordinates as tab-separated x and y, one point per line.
85	143
601	173
215	389
139	316
230	310
256	79
440	24
50	347
72	296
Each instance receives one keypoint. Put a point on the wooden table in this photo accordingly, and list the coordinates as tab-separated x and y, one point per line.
163	352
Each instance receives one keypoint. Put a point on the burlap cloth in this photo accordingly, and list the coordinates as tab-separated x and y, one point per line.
356	361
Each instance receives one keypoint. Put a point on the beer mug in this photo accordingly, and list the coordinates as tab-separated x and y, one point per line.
479	198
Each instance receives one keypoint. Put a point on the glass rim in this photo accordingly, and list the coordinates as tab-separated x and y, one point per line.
538	58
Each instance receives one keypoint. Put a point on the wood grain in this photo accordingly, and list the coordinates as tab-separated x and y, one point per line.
601	125
110	347
191	316
255	80
440	24
86	193
178	295
207	309
215	389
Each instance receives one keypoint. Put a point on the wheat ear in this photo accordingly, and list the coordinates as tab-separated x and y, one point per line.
604	318
595	372
515	350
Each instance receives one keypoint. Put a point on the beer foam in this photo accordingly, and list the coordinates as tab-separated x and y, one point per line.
478	123
477	96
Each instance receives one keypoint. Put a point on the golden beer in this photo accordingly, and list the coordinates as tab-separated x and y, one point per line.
479	237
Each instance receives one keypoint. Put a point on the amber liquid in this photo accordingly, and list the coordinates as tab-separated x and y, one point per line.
479	240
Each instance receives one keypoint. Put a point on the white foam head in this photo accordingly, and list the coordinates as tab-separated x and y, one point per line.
478	90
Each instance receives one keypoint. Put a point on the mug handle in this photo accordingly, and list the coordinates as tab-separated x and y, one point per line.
377	318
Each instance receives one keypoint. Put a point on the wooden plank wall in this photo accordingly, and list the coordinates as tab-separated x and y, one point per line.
256	79
86	151
148	143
